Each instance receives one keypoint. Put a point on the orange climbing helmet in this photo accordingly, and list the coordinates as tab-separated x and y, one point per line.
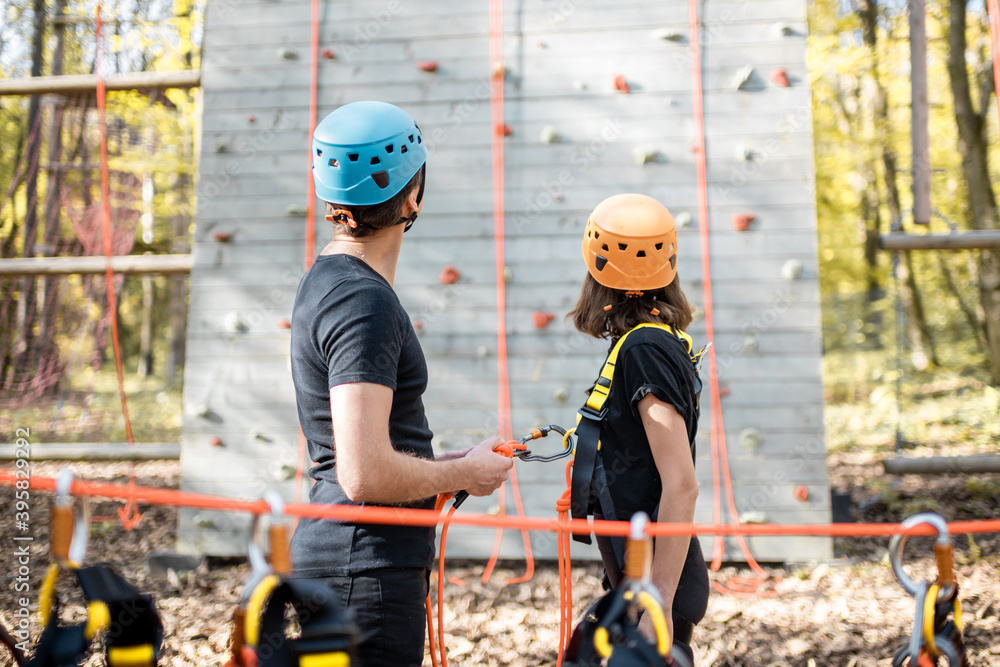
631	243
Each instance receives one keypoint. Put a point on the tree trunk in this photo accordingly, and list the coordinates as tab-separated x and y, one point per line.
975	169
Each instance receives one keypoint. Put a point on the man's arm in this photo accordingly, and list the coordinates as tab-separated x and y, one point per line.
371	471
668	440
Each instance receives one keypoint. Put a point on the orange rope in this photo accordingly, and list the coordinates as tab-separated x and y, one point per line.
503	374
129	514
565	566
720	455
403	516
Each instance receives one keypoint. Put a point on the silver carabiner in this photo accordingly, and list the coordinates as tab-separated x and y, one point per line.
898	543
917	634
259	565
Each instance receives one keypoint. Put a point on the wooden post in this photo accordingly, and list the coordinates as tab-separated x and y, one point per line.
128	264
87	83
969	240
920	114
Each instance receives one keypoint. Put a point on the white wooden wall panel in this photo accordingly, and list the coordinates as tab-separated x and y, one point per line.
561	61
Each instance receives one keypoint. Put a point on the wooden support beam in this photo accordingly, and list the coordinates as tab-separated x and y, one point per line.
87	83
942	465
969	240
96	451
128	264
920	138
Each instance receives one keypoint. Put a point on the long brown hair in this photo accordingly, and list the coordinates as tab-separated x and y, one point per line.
590	317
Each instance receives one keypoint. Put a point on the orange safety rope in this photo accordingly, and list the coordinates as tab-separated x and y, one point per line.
129	514
404	516
503	373
993	10
720	456
565	566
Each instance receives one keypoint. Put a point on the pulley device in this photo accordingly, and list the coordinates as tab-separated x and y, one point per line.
934	635
131	630
609	632
259	634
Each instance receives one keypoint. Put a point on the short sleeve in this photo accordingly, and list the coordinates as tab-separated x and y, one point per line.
649	369
363	343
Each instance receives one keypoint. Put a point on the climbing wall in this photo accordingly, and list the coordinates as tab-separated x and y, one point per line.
598	100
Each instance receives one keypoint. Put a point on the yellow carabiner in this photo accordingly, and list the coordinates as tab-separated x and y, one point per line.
929	603
255	607
659	620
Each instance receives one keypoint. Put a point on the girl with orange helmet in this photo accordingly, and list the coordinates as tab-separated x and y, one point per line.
644	406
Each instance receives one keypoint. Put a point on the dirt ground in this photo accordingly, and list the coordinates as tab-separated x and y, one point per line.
848	612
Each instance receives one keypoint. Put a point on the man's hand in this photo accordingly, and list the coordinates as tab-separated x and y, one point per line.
489	469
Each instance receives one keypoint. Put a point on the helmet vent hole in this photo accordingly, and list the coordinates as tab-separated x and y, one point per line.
659	246
605	247
402	149
671	248
420	139
411	138
641	253
319	152
375	160
623	246
381	179
334	163
673	262
388	149
597	234
599	262
353	157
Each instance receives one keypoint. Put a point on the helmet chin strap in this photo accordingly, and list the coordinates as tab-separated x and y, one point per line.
346	217
631	294
420	197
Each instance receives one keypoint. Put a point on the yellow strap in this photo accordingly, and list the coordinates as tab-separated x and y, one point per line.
47	594
131	656
337	659
929	602
600	393
255	606
601	643
959	623
98	618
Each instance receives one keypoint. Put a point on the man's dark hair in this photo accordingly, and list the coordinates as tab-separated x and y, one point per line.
377	216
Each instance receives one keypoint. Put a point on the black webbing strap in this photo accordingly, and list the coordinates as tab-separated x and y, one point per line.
327	637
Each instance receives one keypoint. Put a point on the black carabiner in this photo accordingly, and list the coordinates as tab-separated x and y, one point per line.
526	454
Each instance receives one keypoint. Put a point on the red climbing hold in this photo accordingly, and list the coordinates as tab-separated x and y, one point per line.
215	441
741	221
621	85
418	325
543	320
284	323
327	53
802	493
428	65
251	119
780	76
504	130
449	275
221	237
723	392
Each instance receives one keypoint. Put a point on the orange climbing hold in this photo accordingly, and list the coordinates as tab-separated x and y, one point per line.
621	85
284	323
504	130
741	221
543	320
802	493
221	237
327	53
449	275
427	65
780	76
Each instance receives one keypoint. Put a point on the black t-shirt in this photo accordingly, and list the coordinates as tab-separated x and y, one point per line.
652	361
348	326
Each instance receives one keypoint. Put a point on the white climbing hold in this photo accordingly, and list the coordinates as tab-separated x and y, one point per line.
219	146
751	344
644	154
202	520
579	85
508	274
283	471
297	210
549	135
751	439
198	410
667	34
683	219
783	29
753	517
287	54
742	77
233	323
792	270
482	351
560	394
438	443
745	153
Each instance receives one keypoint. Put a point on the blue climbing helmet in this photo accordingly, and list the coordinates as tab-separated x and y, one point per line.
364	153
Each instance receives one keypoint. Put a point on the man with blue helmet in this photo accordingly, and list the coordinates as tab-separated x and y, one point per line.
359	376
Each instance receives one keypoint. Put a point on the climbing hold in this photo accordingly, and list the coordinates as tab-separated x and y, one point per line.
233	323
284	323
792	270
750	344
296	210
287	54
541	45
482	351
508	274
418	326
801	493
251	119
221	237
215	441
683	219
327	53
667	35
449	275
427	65
543	319
742	77
745	153
753	517
694	148
283	471
560	394
644	154
504	130
779	75
783	29
621	85
549	135
558	196
258	433
203	520
741	221
579	85
724	392
498	70
438	443
198	410
219	146
751	439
